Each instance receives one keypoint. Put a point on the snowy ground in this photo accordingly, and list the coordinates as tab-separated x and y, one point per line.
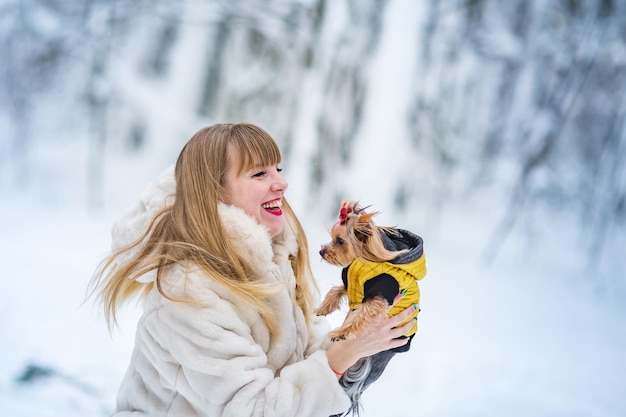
517	338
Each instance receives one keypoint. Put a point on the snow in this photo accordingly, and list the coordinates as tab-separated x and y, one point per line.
533	331
521	336
48	257
390	96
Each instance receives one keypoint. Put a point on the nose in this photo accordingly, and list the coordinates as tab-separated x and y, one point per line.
322	252
279	183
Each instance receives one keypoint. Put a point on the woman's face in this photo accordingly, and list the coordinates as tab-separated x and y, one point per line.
257	191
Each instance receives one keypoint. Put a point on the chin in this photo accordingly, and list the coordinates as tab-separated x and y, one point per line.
274	229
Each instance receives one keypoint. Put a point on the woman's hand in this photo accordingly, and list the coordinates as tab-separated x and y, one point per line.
381	335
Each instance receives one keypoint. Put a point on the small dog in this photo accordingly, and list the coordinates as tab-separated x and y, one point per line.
379	263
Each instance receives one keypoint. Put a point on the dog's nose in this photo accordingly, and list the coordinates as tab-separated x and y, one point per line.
322	252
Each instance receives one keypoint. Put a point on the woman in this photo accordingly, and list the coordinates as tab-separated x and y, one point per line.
221	263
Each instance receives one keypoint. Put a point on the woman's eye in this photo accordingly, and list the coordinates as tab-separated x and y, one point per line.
264	173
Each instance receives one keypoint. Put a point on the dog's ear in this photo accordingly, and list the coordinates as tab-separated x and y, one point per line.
366	217
363	226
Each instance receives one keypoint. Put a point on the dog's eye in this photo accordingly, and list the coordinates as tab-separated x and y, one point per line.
339	241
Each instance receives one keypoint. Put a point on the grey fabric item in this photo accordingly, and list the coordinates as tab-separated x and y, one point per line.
360	376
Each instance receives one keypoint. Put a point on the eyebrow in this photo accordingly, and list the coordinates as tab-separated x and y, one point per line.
259	165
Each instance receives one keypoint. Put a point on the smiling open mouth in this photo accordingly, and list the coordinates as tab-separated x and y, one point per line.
273	207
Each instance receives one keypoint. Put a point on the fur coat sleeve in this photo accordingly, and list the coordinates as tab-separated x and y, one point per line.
215	357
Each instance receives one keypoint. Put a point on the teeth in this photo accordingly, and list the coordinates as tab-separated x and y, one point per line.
272	204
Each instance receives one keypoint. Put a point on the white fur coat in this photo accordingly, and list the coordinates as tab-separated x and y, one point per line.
216	358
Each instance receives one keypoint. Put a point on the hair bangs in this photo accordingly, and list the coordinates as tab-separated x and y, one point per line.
254	147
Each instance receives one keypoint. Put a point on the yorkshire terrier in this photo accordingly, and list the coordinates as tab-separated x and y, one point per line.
379	263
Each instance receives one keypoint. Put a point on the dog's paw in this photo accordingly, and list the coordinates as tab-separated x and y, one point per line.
336	339
340	334
321	312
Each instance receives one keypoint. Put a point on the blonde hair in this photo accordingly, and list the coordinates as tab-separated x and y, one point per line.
367	238
191	229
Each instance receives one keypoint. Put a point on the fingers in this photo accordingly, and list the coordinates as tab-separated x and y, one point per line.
395	343
380	332
396	299
399	297
383	333
404	329
403	316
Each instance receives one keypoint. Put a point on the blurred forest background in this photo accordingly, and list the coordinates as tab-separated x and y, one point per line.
491	127
524	99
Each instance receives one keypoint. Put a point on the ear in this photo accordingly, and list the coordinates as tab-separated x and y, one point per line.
363	227
365	217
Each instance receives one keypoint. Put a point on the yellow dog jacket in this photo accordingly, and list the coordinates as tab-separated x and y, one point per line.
364	279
